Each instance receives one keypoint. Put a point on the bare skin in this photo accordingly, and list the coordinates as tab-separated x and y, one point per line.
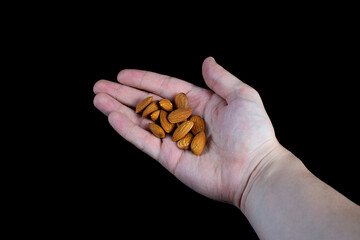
242	153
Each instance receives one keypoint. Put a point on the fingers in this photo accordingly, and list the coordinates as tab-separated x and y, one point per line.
136	135
136	130
219	80
124	94
162	85
107	104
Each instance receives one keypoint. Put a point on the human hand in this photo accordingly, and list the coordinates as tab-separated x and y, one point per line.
239	133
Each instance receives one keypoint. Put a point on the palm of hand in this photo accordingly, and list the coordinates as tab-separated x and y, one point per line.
239	132
236	133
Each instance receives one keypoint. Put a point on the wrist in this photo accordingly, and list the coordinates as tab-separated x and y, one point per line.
270	165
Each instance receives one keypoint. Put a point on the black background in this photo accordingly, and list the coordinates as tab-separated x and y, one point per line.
97	183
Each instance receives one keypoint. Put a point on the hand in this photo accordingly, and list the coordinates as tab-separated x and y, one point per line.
239	133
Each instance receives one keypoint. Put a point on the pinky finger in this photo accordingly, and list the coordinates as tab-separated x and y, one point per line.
139	137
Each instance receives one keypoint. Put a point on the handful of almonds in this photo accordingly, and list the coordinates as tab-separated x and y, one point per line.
188	131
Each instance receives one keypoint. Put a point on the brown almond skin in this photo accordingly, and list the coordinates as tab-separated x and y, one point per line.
165	124
166	105
143	104
156	130
198	143
185	142
182	130
181	101
199	124
152	107
179	115
155	115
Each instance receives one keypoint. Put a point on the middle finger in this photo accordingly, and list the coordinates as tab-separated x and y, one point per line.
124	94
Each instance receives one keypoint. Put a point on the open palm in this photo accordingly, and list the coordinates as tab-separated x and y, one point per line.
238	130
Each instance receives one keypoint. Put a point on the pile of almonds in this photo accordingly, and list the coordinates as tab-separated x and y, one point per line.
187	132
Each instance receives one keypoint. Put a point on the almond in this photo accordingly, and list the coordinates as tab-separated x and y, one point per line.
179	115
156	130
155	115
185	142
143	104
181	101
168	127
187	131
198	143
166	105
152	107
199	124
182	130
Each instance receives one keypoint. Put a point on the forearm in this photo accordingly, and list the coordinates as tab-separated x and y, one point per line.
286	201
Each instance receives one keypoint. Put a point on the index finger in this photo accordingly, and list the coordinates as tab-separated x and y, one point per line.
162	85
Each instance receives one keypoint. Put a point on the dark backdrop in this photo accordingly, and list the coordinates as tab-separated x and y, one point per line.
101	184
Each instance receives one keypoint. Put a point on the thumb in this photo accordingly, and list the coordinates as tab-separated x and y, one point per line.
219	80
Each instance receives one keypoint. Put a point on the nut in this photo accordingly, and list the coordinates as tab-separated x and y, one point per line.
198	143
199	124
156	130
185	142
152	107
182	130
166	125
155	115
166	105
189	132
143	104
179	115
181	101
